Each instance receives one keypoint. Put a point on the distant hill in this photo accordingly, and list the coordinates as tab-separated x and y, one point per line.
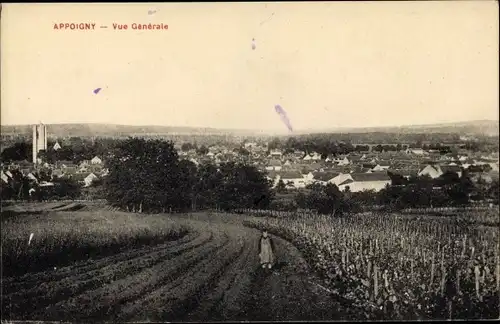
112	130
479	127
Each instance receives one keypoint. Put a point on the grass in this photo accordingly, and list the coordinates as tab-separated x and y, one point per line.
60	238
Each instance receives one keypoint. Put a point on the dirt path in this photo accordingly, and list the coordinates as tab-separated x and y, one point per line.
211	274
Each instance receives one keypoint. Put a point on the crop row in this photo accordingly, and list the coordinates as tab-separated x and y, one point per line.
33	242
400	268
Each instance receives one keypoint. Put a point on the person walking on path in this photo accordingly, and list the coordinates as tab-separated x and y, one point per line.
266	251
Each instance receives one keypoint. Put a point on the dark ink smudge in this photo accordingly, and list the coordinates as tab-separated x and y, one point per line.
284	117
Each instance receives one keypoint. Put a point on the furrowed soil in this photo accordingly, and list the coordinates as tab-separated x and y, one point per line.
210	274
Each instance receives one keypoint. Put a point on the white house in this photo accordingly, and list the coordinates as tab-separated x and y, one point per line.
4	177
307	158
96	160
381	167
417	151
57	146
365	181
309	177
89	179
316	156
341	177
433	171
344	161
293	179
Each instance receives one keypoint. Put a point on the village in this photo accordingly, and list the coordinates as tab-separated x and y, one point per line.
356	171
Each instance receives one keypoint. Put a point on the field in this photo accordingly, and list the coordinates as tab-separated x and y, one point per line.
402	267
88	263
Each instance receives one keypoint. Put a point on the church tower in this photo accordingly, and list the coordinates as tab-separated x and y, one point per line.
39	140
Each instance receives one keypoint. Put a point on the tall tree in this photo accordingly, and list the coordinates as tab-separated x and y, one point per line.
144	175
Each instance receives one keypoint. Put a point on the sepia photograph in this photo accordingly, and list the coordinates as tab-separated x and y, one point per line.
257	162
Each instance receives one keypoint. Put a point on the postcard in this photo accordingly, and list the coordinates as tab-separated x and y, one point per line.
267	161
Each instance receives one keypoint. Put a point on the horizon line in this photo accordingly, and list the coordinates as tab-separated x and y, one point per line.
252	129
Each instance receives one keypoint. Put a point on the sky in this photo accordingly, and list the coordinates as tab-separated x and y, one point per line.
227	65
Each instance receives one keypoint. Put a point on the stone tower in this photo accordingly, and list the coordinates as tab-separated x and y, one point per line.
39	140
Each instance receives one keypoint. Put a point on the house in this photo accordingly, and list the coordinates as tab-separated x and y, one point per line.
316	157
274	165
432	170
56	146
416	151
276	154
330	158
298	154
341	177
57	173
306	168
32	177
85	179
84	163
4	177
64	164
382	166
309	176
293	179
366	181
46	184
344	161
96	160
89	179
307	157
324	177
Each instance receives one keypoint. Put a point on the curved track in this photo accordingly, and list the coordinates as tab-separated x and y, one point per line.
208	275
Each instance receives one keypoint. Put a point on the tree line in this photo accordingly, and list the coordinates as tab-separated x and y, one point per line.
343	143
148	176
